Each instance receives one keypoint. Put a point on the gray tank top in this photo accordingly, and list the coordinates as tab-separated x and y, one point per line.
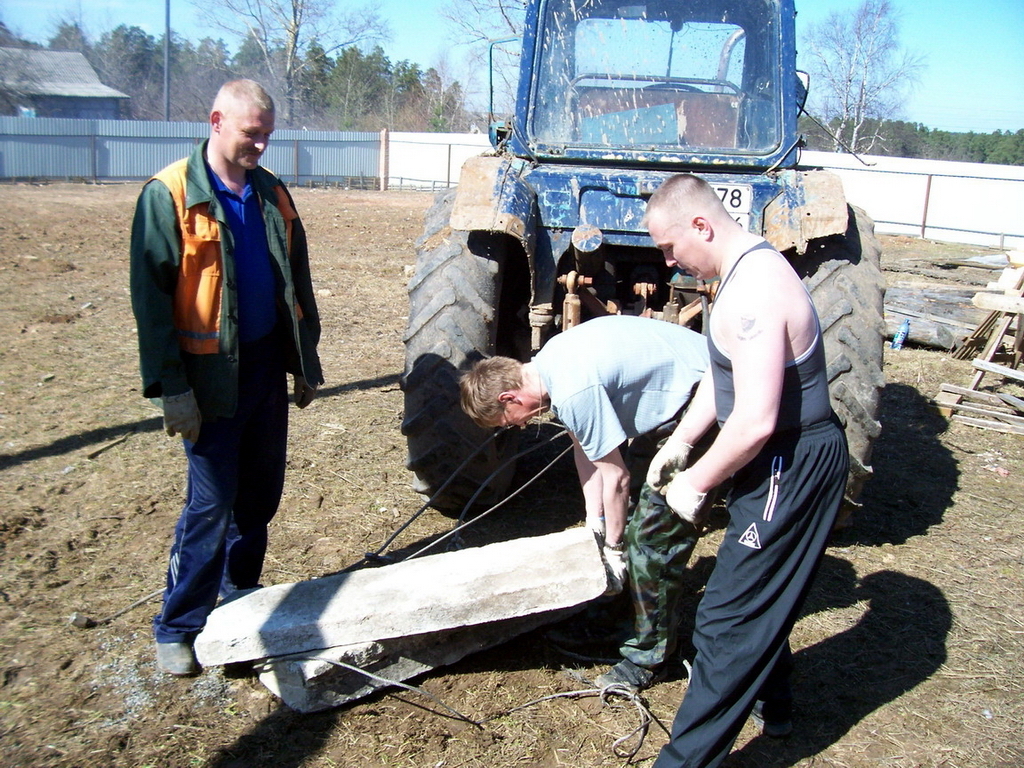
805	399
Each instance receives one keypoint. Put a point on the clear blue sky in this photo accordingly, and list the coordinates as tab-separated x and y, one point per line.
973	81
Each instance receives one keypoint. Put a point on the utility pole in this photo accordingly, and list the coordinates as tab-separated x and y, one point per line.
167	60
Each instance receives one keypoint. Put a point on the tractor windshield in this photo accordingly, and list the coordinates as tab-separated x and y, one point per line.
693	76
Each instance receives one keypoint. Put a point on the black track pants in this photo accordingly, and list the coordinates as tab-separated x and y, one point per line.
781	511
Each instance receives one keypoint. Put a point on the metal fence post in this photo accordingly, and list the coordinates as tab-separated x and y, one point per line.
927	198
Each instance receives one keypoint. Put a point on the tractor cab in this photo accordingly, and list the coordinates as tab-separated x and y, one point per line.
665	82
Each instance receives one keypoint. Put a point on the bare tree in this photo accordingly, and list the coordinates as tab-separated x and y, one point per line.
69	36
476	23
283	30
445	98
860	75
197	72
18	80
130	60
8	39
402	99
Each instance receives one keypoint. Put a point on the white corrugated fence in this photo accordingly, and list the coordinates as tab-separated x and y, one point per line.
957	202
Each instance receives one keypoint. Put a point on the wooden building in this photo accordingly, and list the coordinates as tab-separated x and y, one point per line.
38	83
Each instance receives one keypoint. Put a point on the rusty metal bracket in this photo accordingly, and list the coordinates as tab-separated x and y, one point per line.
571	304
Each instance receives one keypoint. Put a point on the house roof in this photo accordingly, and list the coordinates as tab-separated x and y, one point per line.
51	73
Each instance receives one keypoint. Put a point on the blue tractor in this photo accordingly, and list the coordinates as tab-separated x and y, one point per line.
545	231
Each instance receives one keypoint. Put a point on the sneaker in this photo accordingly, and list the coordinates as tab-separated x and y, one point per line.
630	676
176	659
777	723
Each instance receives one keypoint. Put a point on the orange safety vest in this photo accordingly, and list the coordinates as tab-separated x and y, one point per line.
197	297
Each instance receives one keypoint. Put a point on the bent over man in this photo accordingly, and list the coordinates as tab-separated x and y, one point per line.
785	451
608	380
224	306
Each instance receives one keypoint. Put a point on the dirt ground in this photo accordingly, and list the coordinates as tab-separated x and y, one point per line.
909	653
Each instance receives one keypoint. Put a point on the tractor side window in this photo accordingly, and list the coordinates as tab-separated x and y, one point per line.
615	76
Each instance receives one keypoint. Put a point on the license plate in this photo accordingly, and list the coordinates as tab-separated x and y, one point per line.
737	199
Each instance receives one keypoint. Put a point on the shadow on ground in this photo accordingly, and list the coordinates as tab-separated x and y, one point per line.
914	478
898	643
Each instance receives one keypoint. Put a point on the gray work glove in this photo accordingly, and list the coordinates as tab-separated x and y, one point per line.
668	462
614	559
304	393
596	526
181	415
686	501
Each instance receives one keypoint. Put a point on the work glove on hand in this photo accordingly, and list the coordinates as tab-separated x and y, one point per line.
686	501
614	559
304	393
596	526
668	462
181	415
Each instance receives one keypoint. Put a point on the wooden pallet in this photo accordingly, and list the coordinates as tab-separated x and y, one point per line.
1001	412
1004	300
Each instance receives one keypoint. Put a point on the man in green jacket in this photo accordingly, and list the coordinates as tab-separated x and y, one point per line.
225	309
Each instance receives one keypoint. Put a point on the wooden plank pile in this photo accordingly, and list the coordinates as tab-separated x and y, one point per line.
940	315
995	347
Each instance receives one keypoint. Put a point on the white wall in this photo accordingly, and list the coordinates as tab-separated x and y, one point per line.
956	202
975	203
431	160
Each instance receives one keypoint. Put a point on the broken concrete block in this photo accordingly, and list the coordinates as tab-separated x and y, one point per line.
430	594
310	682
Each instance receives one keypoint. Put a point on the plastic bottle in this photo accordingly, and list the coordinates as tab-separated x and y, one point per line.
901	335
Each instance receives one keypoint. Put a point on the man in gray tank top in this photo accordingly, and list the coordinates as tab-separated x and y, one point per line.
783	450
609	380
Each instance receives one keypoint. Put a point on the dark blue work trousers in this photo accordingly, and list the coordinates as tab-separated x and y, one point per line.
235	479
782	507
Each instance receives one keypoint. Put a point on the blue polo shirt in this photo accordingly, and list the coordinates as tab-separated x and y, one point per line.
254	275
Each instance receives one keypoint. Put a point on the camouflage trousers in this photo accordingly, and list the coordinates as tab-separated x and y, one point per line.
658	546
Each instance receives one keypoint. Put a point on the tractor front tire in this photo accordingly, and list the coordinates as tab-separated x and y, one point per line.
844	276
453	317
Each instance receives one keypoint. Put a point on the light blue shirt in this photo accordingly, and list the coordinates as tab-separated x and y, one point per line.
617	377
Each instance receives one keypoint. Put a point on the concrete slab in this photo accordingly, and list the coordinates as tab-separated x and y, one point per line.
430	594
314	681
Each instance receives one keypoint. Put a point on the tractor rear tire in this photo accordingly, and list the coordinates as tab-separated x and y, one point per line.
844	276
453	318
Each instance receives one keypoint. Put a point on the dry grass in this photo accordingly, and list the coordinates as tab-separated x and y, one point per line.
908	654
